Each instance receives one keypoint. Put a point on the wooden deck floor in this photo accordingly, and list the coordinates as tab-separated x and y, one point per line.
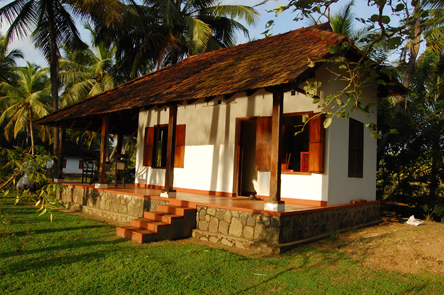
235	203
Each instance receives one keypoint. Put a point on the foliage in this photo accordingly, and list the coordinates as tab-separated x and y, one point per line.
158	33
20	162
25	101
412	168
85	73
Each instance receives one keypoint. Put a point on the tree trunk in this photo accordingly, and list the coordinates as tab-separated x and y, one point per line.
414	49
408	73
30	131
53	65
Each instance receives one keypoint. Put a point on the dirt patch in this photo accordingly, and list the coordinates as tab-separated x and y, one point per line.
394	246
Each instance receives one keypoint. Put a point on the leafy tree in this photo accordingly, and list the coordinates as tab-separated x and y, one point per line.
51	25
7	61
412	168
85	73
162	32
26	101
18	162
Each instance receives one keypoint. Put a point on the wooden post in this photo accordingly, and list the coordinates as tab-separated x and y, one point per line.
274	203
103	153
61	151
171	143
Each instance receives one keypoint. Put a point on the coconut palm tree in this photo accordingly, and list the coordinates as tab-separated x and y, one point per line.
162	32
7	60
27	100
51	25
85	73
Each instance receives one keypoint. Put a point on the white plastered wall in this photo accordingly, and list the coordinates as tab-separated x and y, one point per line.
340	188
210	159
210	143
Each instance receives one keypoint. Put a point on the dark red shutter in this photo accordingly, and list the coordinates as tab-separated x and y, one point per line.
316	145
179	149
148	146
263	143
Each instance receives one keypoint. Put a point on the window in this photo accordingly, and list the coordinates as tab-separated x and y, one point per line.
80	164
303	152
64	163
356	149
155	146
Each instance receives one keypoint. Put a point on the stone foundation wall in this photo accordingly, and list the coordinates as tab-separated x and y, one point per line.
261	231
113	206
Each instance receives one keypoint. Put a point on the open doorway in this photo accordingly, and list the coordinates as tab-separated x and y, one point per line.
247	157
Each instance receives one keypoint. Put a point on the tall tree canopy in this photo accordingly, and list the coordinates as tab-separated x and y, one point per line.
51	25
157	33
26	101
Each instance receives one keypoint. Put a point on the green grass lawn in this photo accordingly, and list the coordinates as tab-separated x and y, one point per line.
75	255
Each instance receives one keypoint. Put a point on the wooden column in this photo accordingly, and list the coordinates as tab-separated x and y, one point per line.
103	151
171	143
61	151
274	203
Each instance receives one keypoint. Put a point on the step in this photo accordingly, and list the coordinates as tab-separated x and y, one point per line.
136	234
161	216
150	224
174	209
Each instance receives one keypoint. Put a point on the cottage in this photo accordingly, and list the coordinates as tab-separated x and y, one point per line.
214	122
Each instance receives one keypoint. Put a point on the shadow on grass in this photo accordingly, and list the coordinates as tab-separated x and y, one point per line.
56	230
53	258
69	246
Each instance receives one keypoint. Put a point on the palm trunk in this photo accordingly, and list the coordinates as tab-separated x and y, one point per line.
30	131
411	65
53	65
408	73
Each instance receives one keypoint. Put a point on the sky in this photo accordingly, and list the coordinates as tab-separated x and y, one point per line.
283	23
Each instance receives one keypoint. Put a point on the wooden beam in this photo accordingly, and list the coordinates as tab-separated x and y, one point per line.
104	149
191	101
171	143
72	124
228	96
276	147
210	98
250	92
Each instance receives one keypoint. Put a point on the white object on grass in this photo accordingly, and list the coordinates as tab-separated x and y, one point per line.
413	221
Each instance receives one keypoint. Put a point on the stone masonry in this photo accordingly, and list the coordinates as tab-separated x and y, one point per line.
265	233
109	205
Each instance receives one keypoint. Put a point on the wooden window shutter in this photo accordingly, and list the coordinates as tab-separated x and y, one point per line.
148	146
263	143
316	145
179	148
64	163
356	149
80	164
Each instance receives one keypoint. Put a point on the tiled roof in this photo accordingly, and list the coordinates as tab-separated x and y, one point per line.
273	61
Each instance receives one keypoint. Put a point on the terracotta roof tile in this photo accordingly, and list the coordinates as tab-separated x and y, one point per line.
272	61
